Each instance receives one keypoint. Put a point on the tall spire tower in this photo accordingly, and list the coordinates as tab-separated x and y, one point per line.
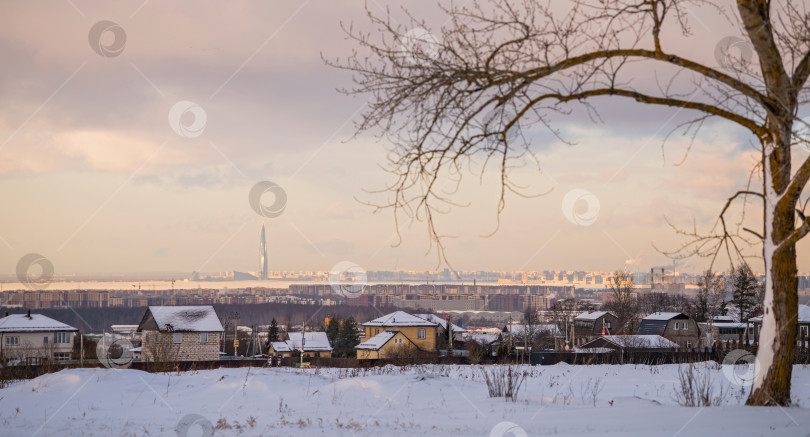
262	256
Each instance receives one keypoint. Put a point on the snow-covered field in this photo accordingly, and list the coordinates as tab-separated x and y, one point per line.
391	401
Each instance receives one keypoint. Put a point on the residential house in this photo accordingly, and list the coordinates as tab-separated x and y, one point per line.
628	345
676	327
386	344
724	331
315	344
420	333
592	324
803	324
458	331
34	338
180	333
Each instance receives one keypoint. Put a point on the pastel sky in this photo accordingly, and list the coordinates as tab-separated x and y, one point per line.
93	177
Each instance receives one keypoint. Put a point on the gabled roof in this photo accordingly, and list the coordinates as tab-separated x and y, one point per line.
542	328
484	339
315	341
804	315
636	341
378	341
280	346
665	316
656	323
593	315
443	323
36	323
399	319
197	318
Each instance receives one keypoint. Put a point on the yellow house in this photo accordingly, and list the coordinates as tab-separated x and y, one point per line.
384	345
419	332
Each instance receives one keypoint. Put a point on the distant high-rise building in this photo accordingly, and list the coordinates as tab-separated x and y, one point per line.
262	256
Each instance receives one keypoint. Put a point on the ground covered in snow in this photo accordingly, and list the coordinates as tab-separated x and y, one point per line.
393	401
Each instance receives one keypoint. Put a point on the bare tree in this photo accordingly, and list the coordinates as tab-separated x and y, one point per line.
623	303
501	65
562	313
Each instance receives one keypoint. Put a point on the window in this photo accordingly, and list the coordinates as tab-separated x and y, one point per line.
803	332
685	326
688	344
61	356
204	337
61	337
147	336
45	340
177	337
677	326
420	333
12	341
609	325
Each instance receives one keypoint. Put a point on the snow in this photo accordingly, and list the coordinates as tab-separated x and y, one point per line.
591	316
392	401
399	318
281	346
378	341
37	323
518	330
440	321
315	341
767	334
661	316
194	318
804	315
640	341
484	339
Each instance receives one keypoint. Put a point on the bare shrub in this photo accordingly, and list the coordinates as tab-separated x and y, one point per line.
503	382
696	388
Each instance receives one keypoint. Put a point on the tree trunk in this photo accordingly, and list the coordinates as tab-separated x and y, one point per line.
774	361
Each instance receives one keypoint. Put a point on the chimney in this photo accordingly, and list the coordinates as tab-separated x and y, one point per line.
29	314
6	314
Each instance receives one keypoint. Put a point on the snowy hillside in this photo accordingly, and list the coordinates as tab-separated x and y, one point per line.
391	401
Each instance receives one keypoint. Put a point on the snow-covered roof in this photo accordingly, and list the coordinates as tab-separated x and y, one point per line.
640	341
662	316
726	324
315	341
443	323
481	338
593	350
399	318
280	346
378	341
544	328
804	315
35	323
197	318
593	315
